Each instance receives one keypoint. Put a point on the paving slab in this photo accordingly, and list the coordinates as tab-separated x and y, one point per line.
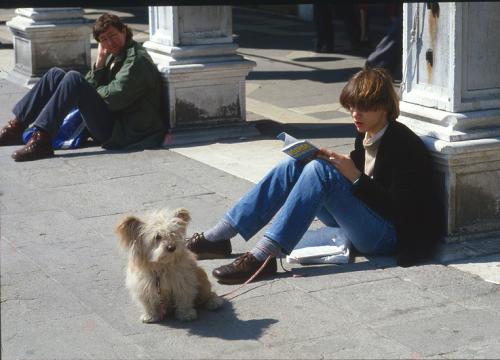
442	333
348	342
86	337
476	350
487	267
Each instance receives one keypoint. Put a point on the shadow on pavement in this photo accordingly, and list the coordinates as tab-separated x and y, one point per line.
318	59
304	130
321	76
330	269
99	151
480	259
270	129
223	324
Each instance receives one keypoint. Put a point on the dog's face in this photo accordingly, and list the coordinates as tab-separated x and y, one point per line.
158	238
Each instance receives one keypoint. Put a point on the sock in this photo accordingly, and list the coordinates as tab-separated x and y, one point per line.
223	230
264	248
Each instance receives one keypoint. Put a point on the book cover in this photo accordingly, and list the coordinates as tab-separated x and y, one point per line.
298	149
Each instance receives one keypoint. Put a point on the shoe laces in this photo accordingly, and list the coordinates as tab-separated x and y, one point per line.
245	258
195	238
40	136
13	124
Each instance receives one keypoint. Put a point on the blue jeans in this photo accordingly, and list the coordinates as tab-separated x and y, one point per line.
55	94
300	192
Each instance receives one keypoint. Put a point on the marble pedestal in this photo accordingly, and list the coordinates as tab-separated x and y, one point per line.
47	37
451	97
204	77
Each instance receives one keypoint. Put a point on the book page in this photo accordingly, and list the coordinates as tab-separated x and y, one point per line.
298	149
286	138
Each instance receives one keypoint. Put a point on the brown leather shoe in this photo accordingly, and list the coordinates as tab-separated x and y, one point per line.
241	269
204	249
12	133
39	147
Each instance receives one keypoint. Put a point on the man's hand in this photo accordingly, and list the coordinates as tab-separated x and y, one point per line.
343	163
102	55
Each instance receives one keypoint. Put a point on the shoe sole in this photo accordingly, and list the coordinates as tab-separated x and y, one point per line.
236	281
29	158
210	256
15	143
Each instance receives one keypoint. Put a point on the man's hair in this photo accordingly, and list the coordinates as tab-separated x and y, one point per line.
103	23
369	90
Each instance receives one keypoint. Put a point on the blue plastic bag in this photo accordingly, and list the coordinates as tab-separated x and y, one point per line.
71	135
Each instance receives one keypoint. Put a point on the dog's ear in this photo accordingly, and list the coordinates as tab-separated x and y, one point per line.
182	214
128	231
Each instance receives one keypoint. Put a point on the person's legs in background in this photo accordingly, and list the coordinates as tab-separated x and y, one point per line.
75	91
364	25
325	32
348	12
388	53
72	90
27	109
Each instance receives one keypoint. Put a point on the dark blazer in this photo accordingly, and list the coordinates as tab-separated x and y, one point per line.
402	190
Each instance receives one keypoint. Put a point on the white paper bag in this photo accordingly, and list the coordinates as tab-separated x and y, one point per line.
327	245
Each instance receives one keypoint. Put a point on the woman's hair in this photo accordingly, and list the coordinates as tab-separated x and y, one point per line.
103	23
369	90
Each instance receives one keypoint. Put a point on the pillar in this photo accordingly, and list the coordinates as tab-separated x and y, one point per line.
204	77
451	97
47	37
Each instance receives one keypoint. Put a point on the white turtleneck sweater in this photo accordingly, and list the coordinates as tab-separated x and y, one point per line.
371	148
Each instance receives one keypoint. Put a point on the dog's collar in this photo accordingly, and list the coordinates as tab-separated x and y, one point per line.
157	283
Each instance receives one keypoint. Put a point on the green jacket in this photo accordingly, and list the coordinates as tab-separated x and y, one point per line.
132	90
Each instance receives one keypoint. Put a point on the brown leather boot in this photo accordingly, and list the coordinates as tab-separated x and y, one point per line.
12	133
39	147
241	269
204	249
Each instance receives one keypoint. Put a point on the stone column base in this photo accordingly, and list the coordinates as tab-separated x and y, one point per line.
44	38
206	94
469	176
204	77
181	137
486	245
451	126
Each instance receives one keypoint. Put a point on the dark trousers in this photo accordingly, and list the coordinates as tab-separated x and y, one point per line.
51	99
389	51
325	32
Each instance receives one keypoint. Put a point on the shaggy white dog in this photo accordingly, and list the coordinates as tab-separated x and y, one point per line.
162	274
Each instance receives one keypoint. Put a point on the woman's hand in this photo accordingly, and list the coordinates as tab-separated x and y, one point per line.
102	55
343	163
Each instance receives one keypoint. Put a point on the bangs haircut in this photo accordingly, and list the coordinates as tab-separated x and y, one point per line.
103	23
371	90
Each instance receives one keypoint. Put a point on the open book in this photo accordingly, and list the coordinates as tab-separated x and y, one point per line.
298	149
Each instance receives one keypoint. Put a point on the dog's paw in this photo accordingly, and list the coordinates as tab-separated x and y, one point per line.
186	314
150	318
214	302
